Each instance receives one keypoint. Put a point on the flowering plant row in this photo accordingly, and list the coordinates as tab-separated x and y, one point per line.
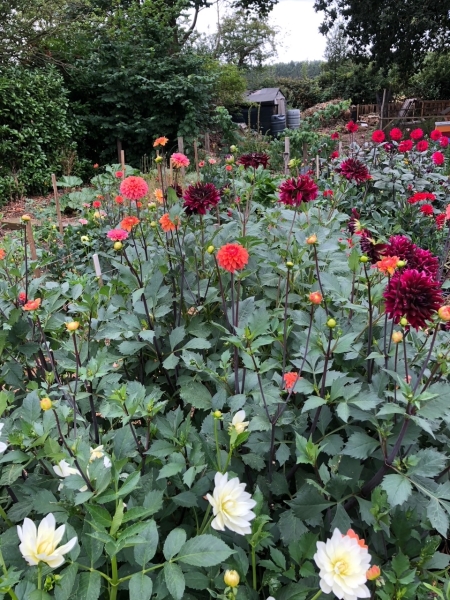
247	402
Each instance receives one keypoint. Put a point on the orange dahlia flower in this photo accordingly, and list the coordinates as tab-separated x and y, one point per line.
128	223
232	257
32	304
161	141
290	379
168	225
2	254
159	195
388	264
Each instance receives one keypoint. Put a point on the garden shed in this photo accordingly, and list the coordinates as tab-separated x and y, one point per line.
266	102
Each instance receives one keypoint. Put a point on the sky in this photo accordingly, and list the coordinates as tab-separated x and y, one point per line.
299	37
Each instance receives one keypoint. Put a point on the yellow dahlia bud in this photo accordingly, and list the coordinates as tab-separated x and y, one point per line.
210	249
72	326
118	246
159	159
217	414
289	264
312	239
397	337
231	578
363	259
331	323
153	224
403	321
46	403
401	263
25	218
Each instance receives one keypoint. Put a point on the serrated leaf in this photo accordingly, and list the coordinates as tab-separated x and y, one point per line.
397	487
204	551
197	395
438	516
176	336
131	348
89	586
197	344
174	579
171	361
141	586
174	542
143	553
360	445
99	515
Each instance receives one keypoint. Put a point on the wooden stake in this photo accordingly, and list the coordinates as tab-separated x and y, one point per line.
119	150
340	148
317	166
58	208
98	270
196	159
286	155
305	152
122	162
207	143
33	253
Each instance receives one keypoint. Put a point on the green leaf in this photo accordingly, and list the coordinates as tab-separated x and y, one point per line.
171	361
131	348
10	474
177	336
170	469
438	516
308	503
204	551
63	591
31	409
89	586
197	344
174	542
100	515
360	445
291	528
174	579
141	587
39	595
197	395
397	487
185	499
143	553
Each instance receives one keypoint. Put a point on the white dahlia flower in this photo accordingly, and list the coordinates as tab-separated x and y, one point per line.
232	506
3	446
40	545
238	421
343	561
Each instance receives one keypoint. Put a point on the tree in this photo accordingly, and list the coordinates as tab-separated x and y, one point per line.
390	32
335	50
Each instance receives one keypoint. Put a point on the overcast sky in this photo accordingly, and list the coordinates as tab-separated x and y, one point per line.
298	22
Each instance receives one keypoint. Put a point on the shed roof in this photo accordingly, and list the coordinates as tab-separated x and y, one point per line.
264	95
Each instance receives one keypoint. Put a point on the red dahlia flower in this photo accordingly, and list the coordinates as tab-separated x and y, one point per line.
334	135
440	220
443	142
327	193
416	258
128	223
378	136
396	134
334	154
299	189
438	158
290	379
232	257
96	204
435	135
22	298
134	188
420	197
200	197
354	170
416	134
405	146
413	295
426	209
254	159
351	127
422	146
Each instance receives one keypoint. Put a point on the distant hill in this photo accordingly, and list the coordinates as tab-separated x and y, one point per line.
298	69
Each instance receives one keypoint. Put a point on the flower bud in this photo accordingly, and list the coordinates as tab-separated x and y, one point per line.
152	205
217	414
25	218
364	259
444	313
84	238
46	403
401	263
233	148
373	573
97	215
231	578
312	239
289	264
403	321
118	246
315	297
153	223
159	160
397	337
72	326
331	323
210	249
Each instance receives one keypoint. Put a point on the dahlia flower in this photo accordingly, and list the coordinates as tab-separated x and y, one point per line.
343	562
315	298
119	174
414	295
422	146
118	199
168	225
134	188
41	544
416	258
83	221
96	453
299	189
63	469
387	264
128	223
440	220
416	134
435	135
378	136
238	422
373	573
405	146
351	127
438	158
3	446
426	209
254	159
200	197
290	379
179	160
328	193
396	134
354	170
443	142
32	304
158	193
232	257
420	197
371	248
96	204
354	224
232	506
117	235
161	141
444	313
334	155
334	135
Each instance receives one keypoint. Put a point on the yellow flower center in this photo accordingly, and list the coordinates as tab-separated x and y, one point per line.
228	506
340	567
45	547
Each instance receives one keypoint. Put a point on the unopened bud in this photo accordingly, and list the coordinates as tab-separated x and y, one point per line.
118	246
363	259
397	337
403	321
315	297
25	218
159	159
231	578
373	573
444	313
46	403
210	249
312	239
331	323
401	263
289	264
217	414
72	326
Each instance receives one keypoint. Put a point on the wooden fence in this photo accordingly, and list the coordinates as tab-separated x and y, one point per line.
419	109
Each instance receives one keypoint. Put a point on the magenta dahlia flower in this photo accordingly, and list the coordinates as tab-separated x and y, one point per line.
117	235
416	134
438	158
179	160
299	189
435	135
200	197
254	159
416	258
405	146
134	188
413	295
354	170
371	248
422	146
396	134
378	136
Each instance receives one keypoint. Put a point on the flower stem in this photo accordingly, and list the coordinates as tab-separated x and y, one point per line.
254	567
4	516
369	334
319	593
39	582
114	578
206	520
216	436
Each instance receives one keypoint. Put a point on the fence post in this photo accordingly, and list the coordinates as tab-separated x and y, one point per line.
181	149
305	152
58	208
286	154
207	142
196	159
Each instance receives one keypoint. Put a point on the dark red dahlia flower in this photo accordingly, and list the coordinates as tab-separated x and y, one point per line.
396	134
334	154
405	146
440	220
354	224
413	295
254	159
371	248
199	198
354	170
416	258
299	189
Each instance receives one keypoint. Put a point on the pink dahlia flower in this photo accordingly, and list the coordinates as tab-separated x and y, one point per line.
117	235
134	188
